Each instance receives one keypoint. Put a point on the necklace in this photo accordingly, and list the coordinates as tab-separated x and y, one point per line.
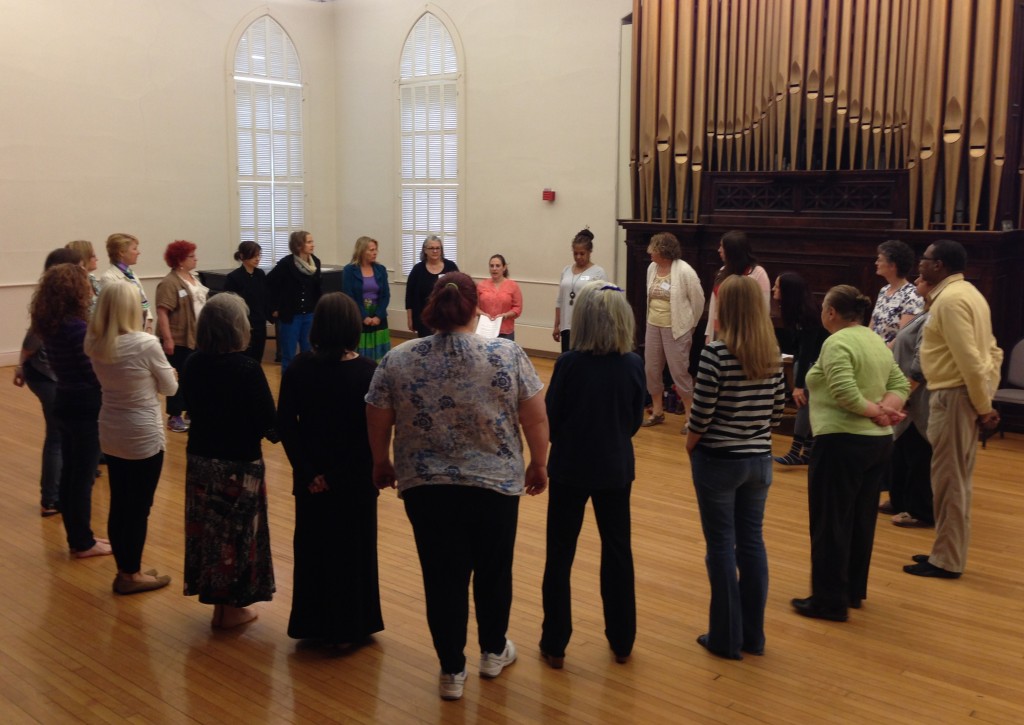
572	290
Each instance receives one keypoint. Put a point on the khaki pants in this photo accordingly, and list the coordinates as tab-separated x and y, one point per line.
953	433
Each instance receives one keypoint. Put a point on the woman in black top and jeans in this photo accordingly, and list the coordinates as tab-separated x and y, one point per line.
60	307
294	286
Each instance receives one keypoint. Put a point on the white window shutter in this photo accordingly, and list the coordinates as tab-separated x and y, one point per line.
429	140
268	115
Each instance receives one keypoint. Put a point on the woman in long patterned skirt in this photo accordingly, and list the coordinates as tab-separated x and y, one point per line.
227	542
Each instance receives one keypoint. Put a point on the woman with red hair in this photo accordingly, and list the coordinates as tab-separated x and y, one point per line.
179	298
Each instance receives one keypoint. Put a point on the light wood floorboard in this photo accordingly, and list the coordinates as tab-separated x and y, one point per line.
920	650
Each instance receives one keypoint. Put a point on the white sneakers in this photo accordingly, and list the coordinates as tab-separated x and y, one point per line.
491	665
451	685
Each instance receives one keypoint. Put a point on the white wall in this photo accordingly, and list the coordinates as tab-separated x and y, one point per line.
116	116
541	110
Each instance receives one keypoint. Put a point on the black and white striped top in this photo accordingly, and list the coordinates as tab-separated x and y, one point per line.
734	415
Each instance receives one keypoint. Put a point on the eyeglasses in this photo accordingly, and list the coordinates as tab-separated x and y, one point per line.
433	249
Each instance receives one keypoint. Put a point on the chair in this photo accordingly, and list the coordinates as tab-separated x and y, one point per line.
1015	377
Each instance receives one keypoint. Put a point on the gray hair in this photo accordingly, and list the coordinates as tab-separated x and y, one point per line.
602	321
223	325
423	247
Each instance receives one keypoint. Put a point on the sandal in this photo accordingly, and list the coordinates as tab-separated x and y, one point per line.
907	521
653	420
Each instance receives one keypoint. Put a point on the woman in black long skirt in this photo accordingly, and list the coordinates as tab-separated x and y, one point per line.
322	422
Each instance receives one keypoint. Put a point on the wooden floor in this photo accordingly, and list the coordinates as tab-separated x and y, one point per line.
920	650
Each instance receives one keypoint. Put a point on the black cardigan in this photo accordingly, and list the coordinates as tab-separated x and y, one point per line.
292	292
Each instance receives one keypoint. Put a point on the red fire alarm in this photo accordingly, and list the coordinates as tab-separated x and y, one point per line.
548	195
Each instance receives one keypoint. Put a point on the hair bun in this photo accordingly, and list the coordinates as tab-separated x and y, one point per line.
585	232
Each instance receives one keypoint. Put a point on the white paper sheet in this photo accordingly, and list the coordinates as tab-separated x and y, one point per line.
487	327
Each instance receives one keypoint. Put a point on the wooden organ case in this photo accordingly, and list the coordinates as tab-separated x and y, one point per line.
823	128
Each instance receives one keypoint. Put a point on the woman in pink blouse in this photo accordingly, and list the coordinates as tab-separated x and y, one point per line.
500	296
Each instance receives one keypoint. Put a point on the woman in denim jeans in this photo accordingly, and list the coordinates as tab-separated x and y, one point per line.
738	398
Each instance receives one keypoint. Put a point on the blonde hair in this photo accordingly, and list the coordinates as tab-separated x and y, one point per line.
362	244
84	248
117	243
117	313
602	320
745	327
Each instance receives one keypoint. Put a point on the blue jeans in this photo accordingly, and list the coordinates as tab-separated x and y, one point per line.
77	413
731	493
290	334
49	480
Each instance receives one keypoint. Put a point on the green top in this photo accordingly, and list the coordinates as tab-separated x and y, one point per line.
855	368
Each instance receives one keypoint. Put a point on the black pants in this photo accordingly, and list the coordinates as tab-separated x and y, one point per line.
257	342
132	485
176	402
566	506
911	486
564	339
77	414
844	481
463	531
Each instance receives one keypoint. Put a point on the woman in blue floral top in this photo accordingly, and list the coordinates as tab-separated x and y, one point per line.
898	301
456	401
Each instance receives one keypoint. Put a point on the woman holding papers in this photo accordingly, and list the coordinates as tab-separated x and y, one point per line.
500	297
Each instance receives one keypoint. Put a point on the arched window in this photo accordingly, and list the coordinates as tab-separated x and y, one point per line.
268	114
428	100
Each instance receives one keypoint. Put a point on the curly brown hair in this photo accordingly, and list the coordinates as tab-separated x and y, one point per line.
64	293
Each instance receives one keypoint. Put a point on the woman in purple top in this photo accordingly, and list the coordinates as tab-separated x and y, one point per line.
366	282
60	308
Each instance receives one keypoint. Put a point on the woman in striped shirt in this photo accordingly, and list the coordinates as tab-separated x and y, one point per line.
738	398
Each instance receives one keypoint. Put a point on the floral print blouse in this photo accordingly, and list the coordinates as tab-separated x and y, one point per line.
885	320
456	402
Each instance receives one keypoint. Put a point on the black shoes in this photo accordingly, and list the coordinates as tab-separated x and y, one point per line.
808	608
702	640
926	568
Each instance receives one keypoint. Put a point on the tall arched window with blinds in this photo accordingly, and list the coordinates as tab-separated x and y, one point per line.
429	176
268	114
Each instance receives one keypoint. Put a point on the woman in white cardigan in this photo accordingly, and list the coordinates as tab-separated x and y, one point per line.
675	303
123	250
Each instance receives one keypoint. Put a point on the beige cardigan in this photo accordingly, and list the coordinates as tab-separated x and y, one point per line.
686	299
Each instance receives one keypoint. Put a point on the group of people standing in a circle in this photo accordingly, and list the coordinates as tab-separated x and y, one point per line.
459	407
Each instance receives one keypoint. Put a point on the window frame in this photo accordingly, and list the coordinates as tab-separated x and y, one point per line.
409	247
276	246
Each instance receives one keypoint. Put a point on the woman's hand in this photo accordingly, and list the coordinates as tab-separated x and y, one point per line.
168	345
799	397
384	474
375	321
318	484
536	478
556	334
19	376
367	321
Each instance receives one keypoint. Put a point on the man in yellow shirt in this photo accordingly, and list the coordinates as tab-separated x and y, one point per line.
961	362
